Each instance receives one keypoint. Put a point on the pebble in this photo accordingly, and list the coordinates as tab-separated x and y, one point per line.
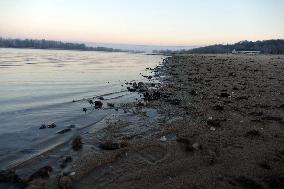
163	139
65	182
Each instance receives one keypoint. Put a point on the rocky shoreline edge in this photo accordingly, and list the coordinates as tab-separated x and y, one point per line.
216	121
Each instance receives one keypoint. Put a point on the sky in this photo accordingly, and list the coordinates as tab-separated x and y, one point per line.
147	22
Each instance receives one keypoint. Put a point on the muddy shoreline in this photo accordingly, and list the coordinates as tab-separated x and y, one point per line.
215	122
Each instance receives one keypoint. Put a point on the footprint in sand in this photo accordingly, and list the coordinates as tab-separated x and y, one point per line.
153	154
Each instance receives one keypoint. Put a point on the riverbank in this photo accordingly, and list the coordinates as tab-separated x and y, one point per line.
215	121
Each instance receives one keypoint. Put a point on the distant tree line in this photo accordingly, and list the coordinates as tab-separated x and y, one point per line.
47	44
265	47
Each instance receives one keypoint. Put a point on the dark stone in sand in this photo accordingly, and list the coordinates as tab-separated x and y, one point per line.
281	106
85	110
9	176
272	118
131	89
43	126
183	140
65	182
176	102
275	182
193	93
242	98
64	131
248	183
53	125
91	101
264	165
42	173
140	104
252	133
256	113
101	98
214	123
153	95
98	104
110	105
140	84
109	146
71	126
218	108
77	143
65	161
224	95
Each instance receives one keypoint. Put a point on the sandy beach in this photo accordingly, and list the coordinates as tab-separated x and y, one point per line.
213	121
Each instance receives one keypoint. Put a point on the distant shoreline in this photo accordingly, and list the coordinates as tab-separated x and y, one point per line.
55	45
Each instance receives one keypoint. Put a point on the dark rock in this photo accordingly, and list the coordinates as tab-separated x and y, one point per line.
91	102
71	126
224	95
281	106
140	85
151	96
252	133
131	89
53	125
110	105
193	93
242	98
140	104
235	88
176	102
248	183
65	161
109	146
183	140
9	176
256	113
64	131
134	85
65	182
272	118
77	143
43	126
264	165
101	98
275	182
218	108
98	104
123	144
42	173
85	110
214	122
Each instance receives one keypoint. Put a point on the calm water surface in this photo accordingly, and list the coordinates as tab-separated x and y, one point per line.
38	87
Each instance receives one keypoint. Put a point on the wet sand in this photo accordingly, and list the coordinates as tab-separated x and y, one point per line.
216	121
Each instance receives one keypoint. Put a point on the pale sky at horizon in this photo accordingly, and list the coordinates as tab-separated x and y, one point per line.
150	22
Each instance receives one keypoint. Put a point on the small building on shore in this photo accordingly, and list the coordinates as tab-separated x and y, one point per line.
246	52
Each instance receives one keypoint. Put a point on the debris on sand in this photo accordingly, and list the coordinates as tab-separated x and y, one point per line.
9	176
65	161
252	133
65	182
63	131
53	125
42	173
98	104
109	145
218	108
214	122
248	183
77	143
43	126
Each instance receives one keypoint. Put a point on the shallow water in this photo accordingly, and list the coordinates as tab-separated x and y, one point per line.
38	86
